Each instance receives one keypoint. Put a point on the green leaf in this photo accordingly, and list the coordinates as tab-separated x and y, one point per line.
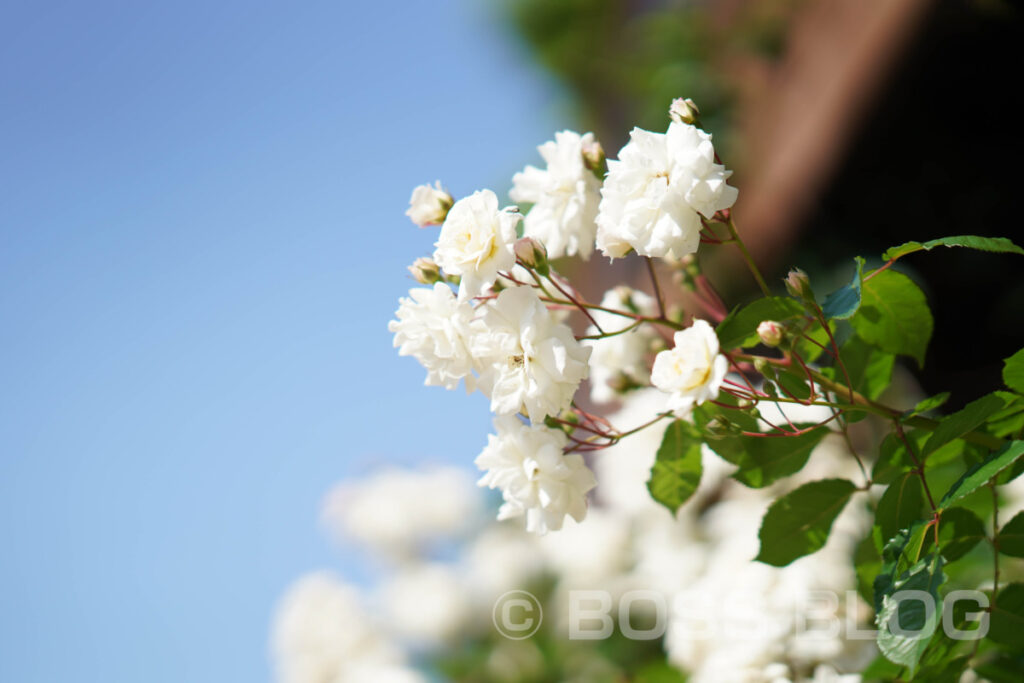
845	301
798	523
677	469
765	460
901	505
1009	420
948	670
870	369
810	351
894	316
1013	372
1006	621
959	423
959	531
996	244
881	669
761	460
739	329
893	458
659	672
900	553
910	613
1002	669
978	476
929	404
867	563
794	385
1011	537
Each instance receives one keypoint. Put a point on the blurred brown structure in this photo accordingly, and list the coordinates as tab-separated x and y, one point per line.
797	114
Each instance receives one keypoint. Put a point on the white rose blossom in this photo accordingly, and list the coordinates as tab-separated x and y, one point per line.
693	370
528	361
476	242
429	205
623	355
565	196
657	190
527	463
434	327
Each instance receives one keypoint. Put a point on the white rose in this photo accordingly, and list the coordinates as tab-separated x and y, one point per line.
693	370
429	205
565	196
535	477
434	328
476	242
657	190
528	361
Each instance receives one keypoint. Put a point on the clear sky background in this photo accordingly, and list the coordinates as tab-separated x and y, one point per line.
201	242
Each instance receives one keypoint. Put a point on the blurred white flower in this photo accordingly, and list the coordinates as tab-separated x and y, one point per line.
621	358
692	371
502	557
396	511
656	191
592	553
565	196
476	242
426	604
535	477
428	205
381	673
528	360
322	633
434	328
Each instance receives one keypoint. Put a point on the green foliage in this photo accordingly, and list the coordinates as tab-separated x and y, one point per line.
844	302
901	505
677	469
870	369
1011	537
905	626
981	473
798	524
1006	623
996	244
762	460
1010	420
1013	372
959	531
894	316
961	422
929	404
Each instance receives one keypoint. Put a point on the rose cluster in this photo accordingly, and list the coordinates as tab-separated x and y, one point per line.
493	311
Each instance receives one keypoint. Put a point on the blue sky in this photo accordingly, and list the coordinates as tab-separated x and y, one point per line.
201	242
